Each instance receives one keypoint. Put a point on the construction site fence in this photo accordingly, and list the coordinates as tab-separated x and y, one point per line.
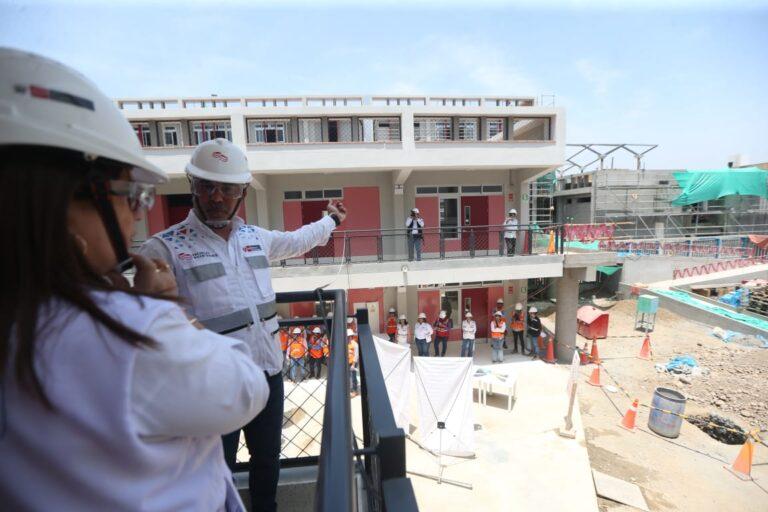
732	247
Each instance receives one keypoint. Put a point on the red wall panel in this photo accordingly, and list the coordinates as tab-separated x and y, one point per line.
479	308
429	303
312	211
496	216
302	309
363	203
291	215
157	217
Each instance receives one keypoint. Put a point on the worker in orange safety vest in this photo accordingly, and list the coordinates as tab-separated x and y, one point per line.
392	324
297	349
317	344
518	328
352	359
498	328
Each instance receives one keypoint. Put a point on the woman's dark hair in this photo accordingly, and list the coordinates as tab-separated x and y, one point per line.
41	260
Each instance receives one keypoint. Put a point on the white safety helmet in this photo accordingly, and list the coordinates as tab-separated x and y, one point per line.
498	313
468	315
499	301
392	310
443	314
423	316
350	319
512	211
45	103
316	330
415	210
296	330
350	332
533	310
518	307
403	317
221	161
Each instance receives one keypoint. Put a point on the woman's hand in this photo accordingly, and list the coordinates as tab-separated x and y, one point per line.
337	208
153	276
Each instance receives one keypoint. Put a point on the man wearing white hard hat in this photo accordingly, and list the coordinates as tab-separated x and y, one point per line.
392	324
510	231
297	349
518	329
422	333
534	331
414	225
222	267
468	332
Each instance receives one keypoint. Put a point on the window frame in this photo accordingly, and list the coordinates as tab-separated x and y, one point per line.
176	125
143	133
285	125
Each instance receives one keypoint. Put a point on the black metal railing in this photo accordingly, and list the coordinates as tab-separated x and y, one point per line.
380	245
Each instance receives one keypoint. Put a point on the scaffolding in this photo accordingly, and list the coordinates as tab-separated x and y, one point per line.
541	203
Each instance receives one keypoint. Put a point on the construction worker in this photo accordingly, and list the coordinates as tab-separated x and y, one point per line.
422	333
392	324
498	328
108	391
317	344
468	332
534	331
500	308
222	267
353	357
352	324
415	231
510	231
297	349
442	328
402	331
283	334
518	329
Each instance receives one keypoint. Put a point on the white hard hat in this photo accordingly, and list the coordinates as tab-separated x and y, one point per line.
468	315
511	211
392	310
499	301
296	330
403	317
443	314
423	315
45	103
498	313
415	210
221	161
350	332
350	319
518	307
316	330
533	310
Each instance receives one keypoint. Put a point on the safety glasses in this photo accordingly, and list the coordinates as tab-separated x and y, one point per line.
208	188
140	195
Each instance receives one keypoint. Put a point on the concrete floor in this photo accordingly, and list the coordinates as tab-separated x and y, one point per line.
521	463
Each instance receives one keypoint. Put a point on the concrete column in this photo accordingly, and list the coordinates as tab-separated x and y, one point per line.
402	301
565	321
239	135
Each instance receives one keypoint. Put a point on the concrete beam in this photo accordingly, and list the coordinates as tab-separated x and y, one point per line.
567	304
400	176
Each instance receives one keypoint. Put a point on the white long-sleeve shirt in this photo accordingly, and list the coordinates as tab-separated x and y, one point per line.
402	334
510	228
414	226
423	331
468	329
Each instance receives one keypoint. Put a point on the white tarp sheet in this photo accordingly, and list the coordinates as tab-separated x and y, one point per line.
395	361
444	394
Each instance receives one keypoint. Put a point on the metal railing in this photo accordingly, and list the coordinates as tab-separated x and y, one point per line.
371	246
722	247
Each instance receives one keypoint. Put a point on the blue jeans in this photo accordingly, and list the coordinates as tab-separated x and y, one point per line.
534	341
414	247
262	436
467	348
438	341
353	378
297	370
422	347
497	349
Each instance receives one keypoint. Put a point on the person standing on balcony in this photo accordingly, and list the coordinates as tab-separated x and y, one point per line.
510	231
500	308
468	331
392	324
403	331
415	228
111	397
518	328
353	358
534	331
222	267
317	344
297	349
498	328
422	333
443	326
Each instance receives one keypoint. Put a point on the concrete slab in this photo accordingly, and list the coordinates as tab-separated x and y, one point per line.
618	490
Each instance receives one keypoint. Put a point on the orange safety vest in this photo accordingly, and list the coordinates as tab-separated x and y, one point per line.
315	347
351	352
517	322
296	348
326	347
391	325
283	340
498	335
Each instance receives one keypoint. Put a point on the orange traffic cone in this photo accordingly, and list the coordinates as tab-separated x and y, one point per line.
742	466
583	357
594	379
551	246
595	356
550	351
645	350
628	422
540	342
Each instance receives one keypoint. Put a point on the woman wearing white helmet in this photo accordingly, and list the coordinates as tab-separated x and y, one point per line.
534	331
510	231
109	391
422	333
403	331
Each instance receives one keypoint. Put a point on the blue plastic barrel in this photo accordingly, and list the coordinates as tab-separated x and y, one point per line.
665	424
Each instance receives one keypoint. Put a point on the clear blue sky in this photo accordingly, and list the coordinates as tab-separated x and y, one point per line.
692	77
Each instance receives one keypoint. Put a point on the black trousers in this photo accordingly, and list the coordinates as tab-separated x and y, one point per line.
262	436
438	340
315	367
510	246
518	335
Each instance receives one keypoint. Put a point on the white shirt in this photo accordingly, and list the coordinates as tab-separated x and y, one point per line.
409	223
402	334
468	329
237	279
510	228
423	331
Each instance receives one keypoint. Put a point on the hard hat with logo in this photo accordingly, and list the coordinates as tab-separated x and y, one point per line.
316	330
45	103
533	310
221	161
512	211
423	315
518	307
296	330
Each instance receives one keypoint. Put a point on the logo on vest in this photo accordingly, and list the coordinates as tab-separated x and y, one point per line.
251	248
185	256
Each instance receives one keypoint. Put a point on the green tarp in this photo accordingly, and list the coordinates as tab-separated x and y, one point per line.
684	297
608	270
716	183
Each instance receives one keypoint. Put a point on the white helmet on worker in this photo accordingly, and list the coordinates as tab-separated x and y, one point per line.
392	310
443	314
403	317
500	301
415	210
45	103
518	307
533	310
296	330
221	161
316	330
350	332
350	319
422	316
512	211
468	314
498	313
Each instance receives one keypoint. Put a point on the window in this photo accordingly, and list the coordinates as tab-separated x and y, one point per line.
268	131
209	130
432	129
426	190
471	189
530	129
339	130
171	134
379	129
450	303
143	133
449	217
467	129
292	194
313	194
491	189
310	130
494	129
332	194
584	200
448	190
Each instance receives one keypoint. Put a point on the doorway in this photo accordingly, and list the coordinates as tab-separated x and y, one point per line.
373	314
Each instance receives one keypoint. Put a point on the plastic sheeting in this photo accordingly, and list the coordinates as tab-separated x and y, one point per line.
712	184
684	297
395	361
444	394
608	270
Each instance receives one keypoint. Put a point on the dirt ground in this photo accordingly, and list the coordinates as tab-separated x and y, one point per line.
685	473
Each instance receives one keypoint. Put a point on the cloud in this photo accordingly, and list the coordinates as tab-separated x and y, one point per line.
601	78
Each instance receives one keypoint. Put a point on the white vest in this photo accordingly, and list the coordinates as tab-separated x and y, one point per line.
402	334
86	455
